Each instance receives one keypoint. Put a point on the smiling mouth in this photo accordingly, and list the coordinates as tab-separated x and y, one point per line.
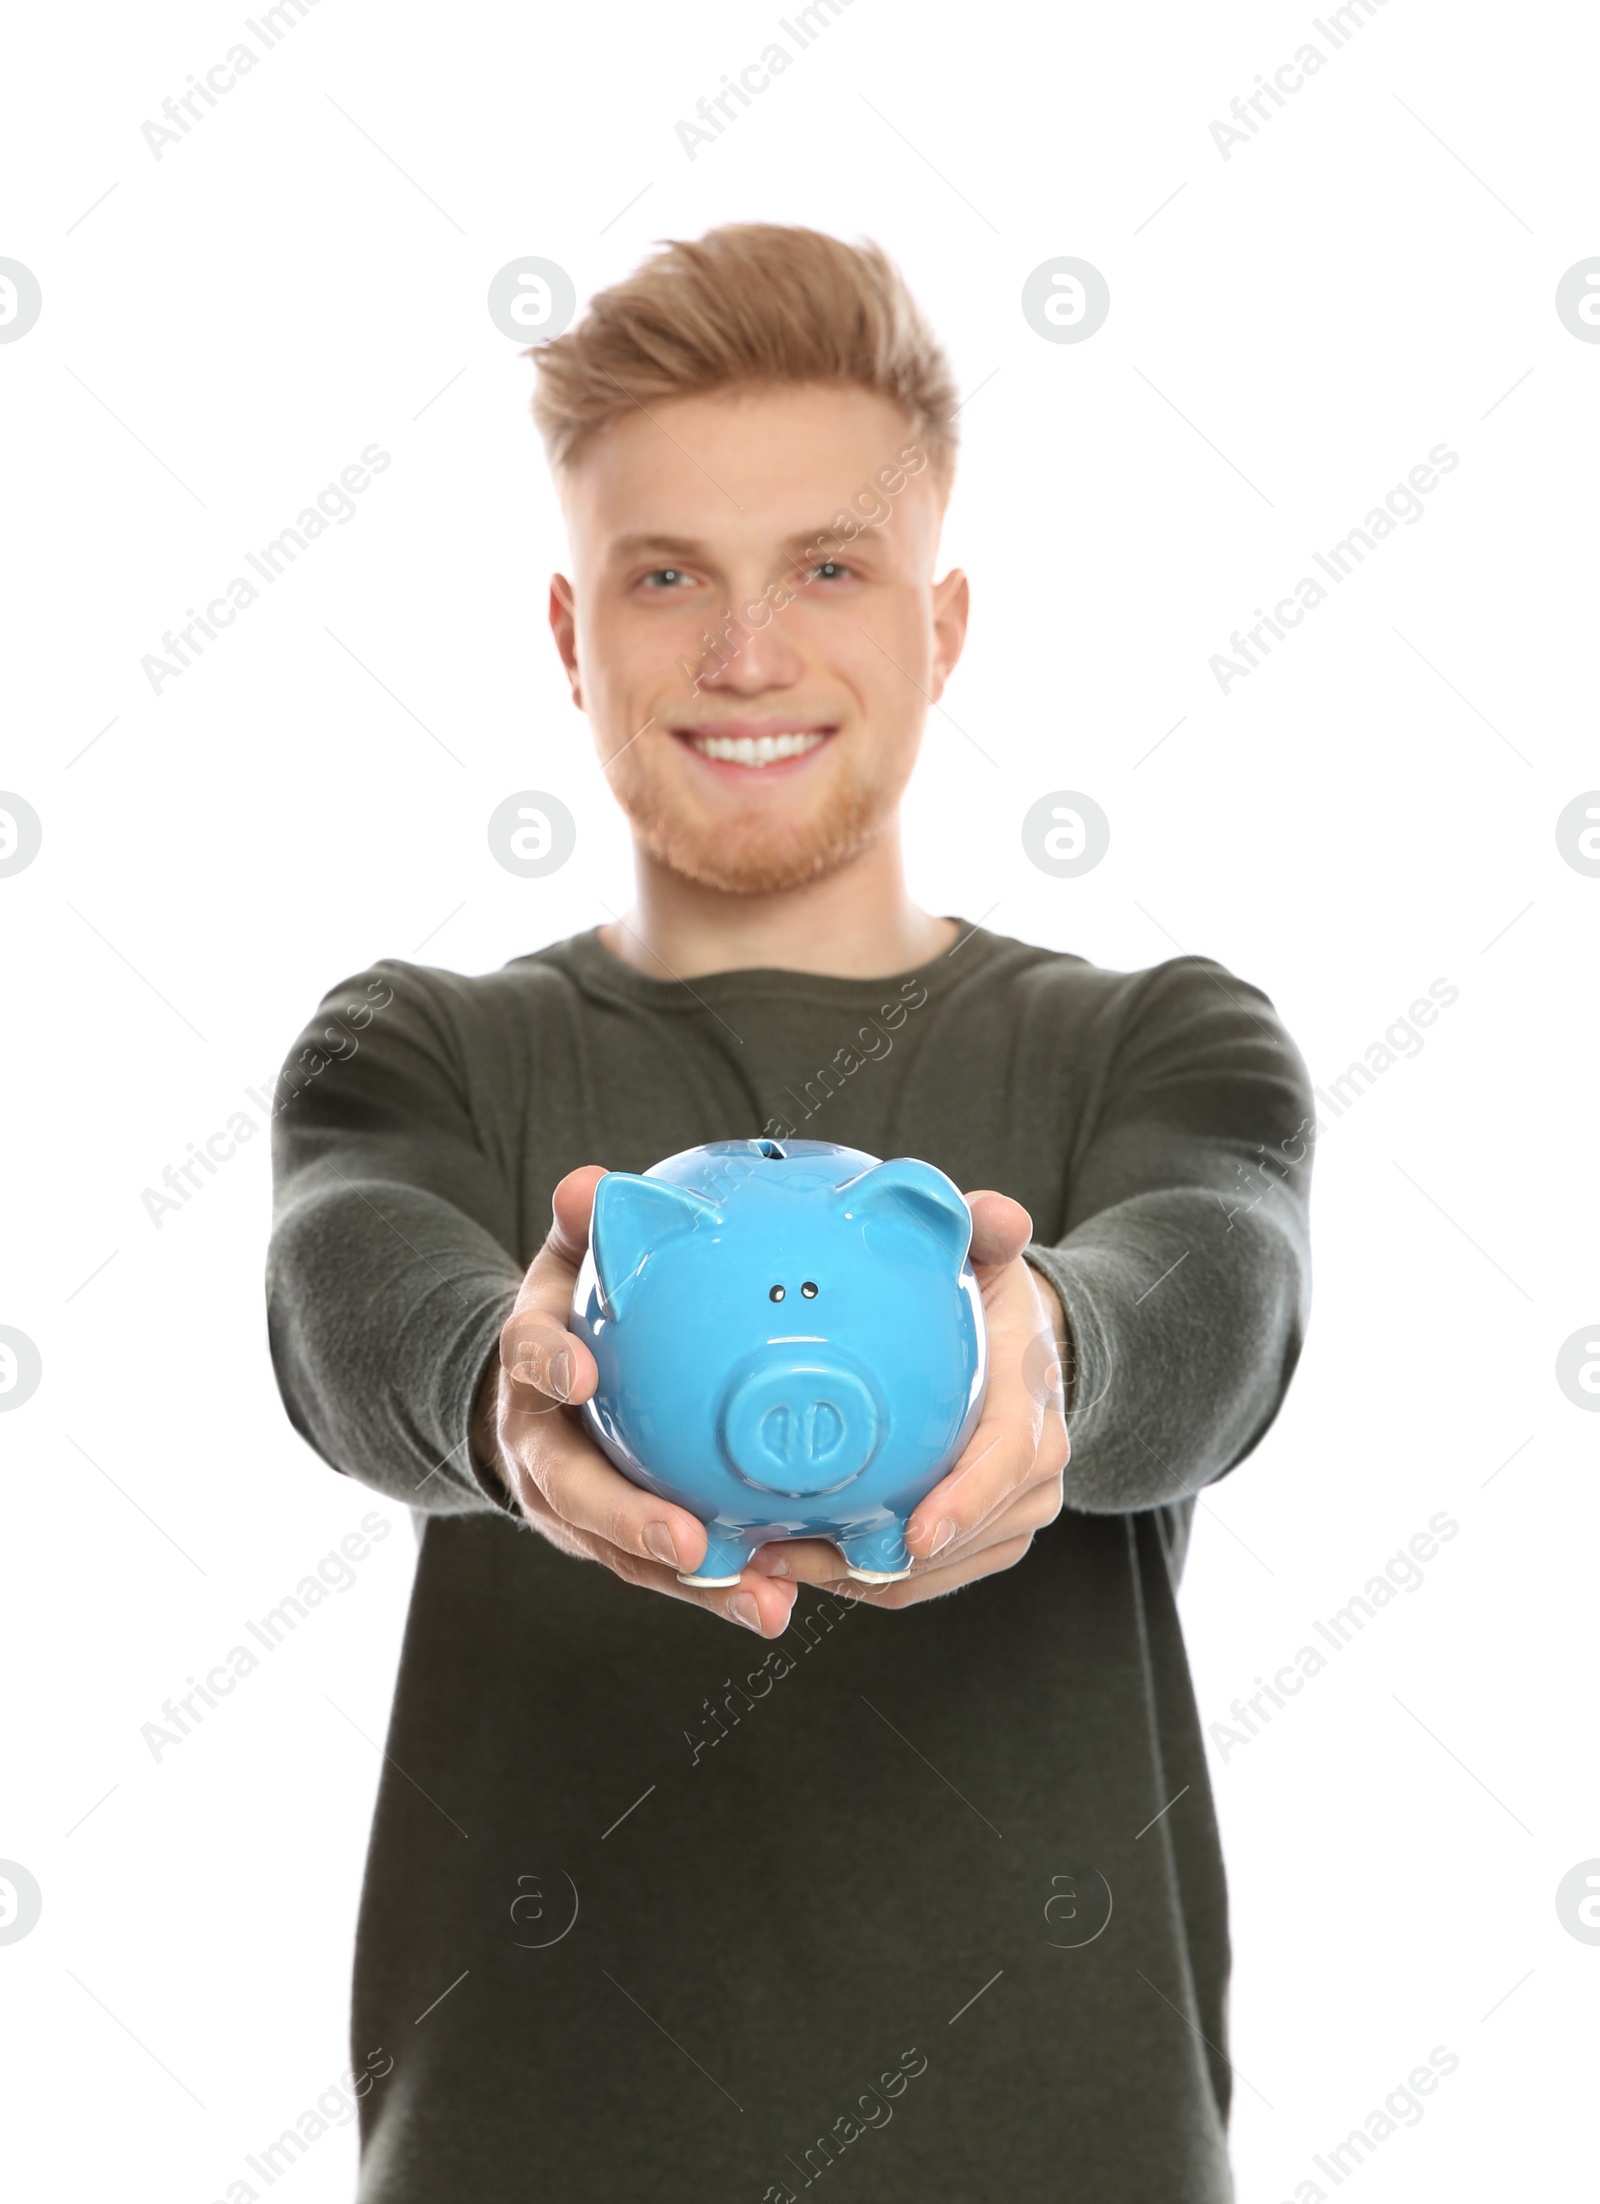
754	751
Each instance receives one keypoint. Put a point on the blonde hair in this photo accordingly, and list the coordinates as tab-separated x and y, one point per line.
750	303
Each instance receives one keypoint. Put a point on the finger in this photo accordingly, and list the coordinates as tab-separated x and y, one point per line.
571	1209
815	1561
536	1349
560	1465
1031	1509
757	1605
540	1355
800	1561
1001	1229
998	1458
935	1583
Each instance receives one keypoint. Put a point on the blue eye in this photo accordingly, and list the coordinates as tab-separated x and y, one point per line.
809	1290
777	1293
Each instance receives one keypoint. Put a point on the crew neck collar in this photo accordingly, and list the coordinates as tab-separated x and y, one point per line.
600	966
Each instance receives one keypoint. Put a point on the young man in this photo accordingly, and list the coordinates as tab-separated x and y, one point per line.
923	1893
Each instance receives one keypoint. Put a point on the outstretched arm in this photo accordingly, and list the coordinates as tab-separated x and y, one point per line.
1168	1318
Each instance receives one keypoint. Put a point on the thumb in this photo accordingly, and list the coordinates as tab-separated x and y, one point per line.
536	1349
1001	1229
571	1207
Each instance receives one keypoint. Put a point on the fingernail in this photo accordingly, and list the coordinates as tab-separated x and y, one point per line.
942	1536
559	1377
742	1607
658	1542
770	1565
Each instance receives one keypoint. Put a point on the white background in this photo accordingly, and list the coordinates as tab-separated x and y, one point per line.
1371	810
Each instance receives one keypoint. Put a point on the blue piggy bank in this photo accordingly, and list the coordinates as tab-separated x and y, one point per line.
790	1340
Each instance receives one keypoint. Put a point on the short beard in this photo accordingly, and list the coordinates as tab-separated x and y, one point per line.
765	860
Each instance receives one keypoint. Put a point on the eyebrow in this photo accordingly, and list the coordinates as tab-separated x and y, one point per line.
679	546
693	549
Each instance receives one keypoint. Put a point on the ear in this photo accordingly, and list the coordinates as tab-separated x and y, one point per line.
632	1218
917	1194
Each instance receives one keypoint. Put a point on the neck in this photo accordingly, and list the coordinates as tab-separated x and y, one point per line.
855	923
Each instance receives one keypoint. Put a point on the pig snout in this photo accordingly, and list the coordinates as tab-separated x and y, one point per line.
799	1428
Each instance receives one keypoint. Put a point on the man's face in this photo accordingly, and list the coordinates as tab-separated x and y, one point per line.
756	752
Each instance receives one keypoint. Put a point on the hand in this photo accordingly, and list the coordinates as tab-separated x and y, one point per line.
522	1424
982	1516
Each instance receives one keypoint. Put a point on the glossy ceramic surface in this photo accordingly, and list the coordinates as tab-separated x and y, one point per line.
790	1340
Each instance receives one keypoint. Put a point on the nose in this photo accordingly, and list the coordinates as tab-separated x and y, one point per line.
801	1428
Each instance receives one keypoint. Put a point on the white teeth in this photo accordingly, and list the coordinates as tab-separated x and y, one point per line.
755	749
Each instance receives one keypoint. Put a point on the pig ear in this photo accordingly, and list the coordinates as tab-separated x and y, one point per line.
919	1195
632	1218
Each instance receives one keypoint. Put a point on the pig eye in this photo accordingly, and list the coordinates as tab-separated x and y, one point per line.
809	1290
776	1294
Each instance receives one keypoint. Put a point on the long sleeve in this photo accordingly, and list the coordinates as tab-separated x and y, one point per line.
388	1273
1185	1269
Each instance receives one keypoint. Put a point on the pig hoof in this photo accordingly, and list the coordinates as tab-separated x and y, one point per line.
877	1556
722	1564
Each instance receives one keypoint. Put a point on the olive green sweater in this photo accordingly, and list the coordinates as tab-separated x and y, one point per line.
652	1908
